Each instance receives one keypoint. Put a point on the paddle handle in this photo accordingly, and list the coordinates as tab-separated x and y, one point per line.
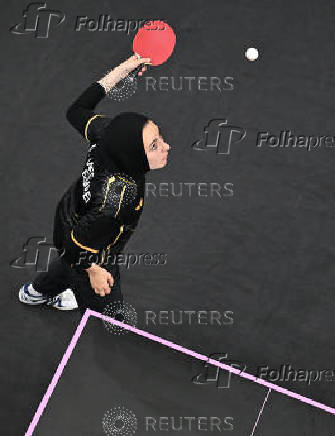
135	72
132	74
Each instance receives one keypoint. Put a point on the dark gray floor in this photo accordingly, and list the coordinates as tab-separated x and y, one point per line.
266	253
109	371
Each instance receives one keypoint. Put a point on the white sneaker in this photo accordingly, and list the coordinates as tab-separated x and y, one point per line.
66	300
28	295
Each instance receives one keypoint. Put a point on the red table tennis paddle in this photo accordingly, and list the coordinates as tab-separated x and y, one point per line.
155	40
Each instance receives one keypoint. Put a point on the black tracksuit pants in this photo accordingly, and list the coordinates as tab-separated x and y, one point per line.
61	276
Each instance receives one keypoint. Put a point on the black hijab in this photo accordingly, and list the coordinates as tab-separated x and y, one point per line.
120	146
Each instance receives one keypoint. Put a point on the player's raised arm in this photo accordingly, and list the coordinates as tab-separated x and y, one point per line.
81	113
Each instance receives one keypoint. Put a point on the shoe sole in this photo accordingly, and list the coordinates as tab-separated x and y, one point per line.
62	308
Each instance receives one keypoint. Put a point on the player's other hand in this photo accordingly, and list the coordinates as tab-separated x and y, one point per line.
101	280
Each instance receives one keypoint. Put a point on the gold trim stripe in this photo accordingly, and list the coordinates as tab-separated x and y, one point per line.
81	245
89	122
139	204
127	181
121	198
121	230
110	180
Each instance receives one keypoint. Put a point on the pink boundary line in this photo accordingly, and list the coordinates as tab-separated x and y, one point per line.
167	343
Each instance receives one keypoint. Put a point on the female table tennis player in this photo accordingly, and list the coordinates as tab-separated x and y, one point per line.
99	212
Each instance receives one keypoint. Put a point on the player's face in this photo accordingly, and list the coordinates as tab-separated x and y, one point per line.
155	147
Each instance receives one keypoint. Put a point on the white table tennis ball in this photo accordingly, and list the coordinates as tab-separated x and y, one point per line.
251	54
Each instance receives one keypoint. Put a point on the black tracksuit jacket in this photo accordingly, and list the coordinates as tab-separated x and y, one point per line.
98	213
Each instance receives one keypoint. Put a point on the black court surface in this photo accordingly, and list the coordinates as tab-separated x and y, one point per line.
127	384
242	221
